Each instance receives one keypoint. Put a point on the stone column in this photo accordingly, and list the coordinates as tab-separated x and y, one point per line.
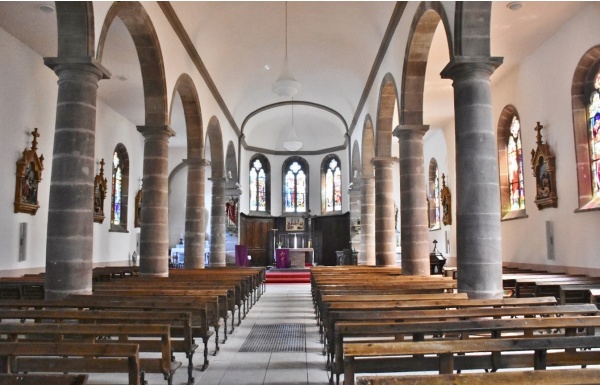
354	195
69	245
478	232
385	233
217	223
194	215
154	233
414	233
367	222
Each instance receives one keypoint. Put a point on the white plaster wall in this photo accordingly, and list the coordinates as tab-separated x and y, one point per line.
29	94
112	129
540	89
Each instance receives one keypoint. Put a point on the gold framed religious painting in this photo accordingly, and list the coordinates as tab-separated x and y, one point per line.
294	224
29	176
544	171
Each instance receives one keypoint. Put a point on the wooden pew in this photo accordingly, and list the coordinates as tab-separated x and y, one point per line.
71	357
46	379
576	293
370	306
530	377
529	352
149	338
417	316
214	300
197	308
228	301
489	328
180	322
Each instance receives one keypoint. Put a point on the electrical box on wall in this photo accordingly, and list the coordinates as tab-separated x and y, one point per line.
549	241
22	241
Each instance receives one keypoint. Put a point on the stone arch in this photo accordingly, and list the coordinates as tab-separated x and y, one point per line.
424	25
75	22
215	138
472	28
388	98
145	39
356	169
368	148
367	205
193	115
231	171
581	88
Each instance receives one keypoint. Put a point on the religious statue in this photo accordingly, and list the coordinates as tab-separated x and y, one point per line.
99	194
543	166
231	208
446	203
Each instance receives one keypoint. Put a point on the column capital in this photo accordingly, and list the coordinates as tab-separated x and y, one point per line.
404	129
383	160
160	132
467	66
84	63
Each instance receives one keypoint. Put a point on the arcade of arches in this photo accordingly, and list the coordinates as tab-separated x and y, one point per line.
179	145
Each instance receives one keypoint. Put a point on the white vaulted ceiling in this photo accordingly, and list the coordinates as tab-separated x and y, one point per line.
331	49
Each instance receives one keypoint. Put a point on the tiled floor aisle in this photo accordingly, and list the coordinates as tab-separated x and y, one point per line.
281	303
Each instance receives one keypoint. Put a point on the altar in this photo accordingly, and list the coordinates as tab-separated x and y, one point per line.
295	258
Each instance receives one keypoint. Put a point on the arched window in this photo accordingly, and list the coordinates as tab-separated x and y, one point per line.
260	184
510	162
120	187
295	185
331	184
514	154
585	89
593	114
435	222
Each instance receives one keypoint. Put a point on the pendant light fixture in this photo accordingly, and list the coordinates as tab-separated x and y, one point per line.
292	144
286	85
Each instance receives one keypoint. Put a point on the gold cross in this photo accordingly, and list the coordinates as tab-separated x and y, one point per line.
538	128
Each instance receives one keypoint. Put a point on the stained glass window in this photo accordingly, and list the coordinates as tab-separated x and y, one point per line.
594	136
117	197
119	189
332	192
515	166
259	171
295	186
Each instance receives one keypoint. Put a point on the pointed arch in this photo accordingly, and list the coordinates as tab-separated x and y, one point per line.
424	25
120	189
138	23
260	184
331	184
186	89
388	100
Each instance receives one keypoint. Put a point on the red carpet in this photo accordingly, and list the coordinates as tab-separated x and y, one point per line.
288	277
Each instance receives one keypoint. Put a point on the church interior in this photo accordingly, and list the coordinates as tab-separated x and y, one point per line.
197	141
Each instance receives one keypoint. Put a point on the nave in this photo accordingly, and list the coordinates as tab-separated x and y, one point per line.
279	304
